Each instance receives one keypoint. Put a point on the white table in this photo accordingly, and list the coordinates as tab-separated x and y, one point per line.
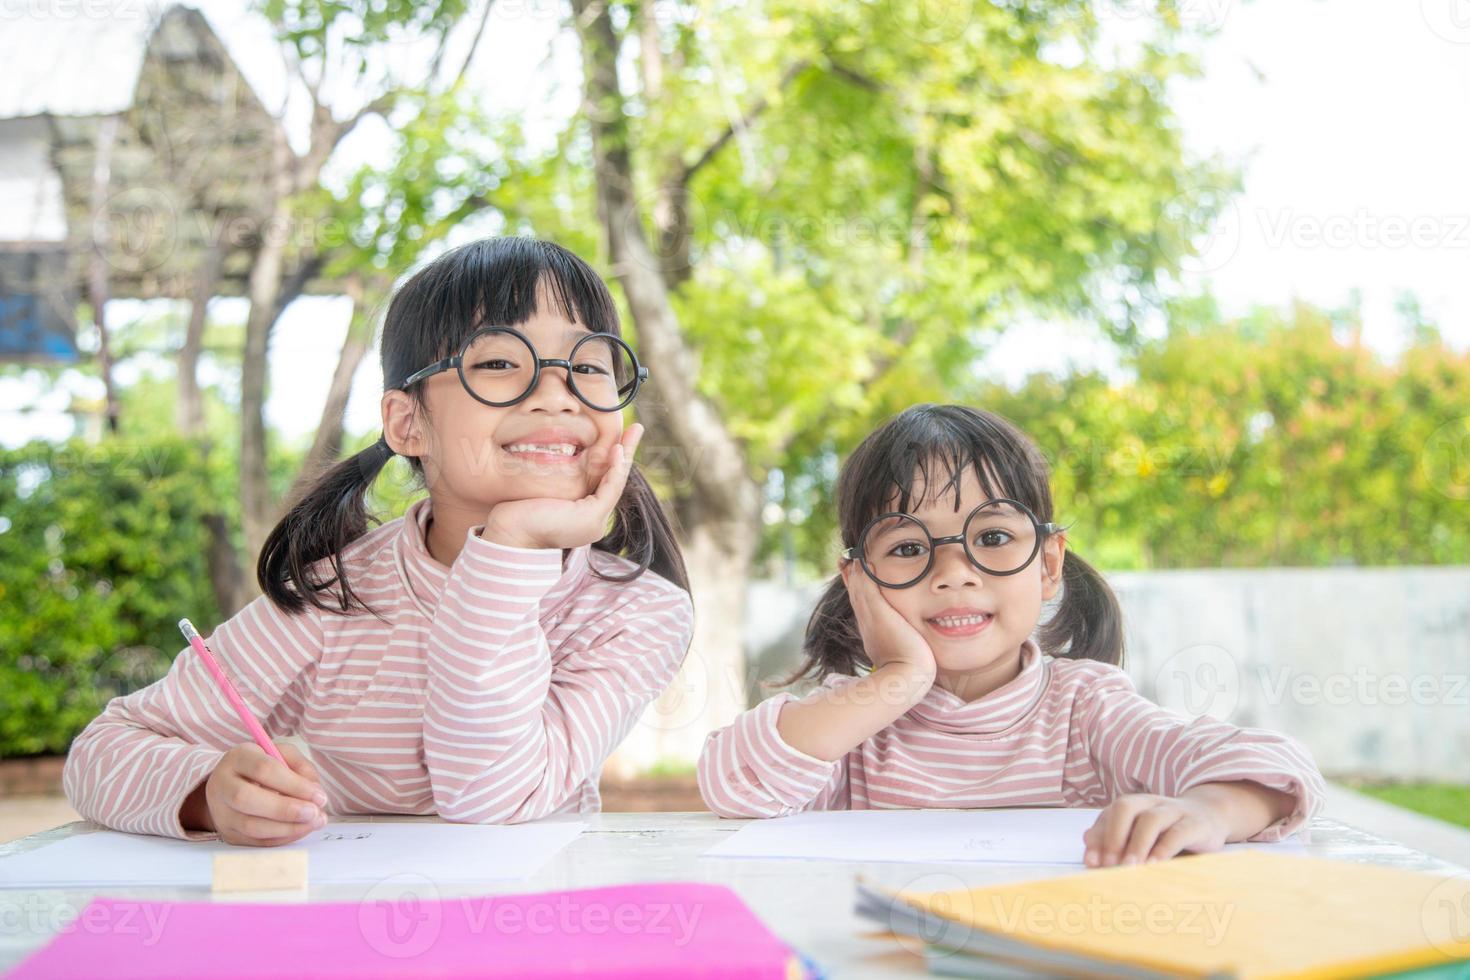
807	903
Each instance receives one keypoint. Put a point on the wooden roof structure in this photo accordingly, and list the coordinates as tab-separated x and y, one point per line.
135	138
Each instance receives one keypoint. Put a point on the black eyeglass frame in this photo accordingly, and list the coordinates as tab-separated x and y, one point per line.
962	539
640	373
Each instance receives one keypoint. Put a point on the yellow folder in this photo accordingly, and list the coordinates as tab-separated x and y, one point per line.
1243	913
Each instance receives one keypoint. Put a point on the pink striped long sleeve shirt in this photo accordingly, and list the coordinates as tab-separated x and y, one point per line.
492	693
1061	733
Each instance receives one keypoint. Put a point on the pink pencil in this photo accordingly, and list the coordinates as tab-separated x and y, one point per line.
232	695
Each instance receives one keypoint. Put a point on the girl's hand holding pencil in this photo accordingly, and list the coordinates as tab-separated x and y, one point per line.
252	799
260	793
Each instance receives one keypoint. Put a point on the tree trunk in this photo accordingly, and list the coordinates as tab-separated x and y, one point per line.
189	410
703	467
671	198
226	578
257	508
98	280
326	446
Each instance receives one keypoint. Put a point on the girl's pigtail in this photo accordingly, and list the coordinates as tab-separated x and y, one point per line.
642	533
1088	624
832	643
321	524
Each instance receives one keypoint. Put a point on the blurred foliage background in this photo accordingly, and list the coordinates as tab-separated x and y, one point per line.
843	226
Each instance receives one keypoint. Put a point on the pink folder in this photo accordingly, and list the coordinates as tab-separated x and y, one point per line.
666	929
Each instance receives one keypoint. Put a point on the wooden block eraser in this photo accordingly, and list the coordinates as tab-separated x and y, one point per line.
265	870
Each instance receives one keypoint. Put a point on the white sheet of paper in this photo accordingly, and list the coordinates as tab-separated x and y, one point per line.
338	853
999	836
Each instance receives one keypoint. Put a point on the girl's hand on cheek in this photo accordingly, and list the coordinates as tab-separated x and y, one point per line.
547	522
604	456
887	636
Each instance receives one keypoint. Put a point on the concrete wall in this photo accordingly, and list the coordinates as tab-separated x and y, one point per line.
1368	667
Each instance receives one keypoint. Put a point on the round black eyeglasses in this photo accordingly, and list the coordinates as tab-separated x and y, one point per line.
1000	537
500	367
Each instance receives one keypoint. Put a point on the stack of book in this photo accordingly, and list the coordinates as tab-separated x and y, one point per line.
1245	914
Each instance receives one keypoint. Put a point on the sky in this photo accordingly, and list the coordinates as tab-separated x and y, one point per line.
1350	121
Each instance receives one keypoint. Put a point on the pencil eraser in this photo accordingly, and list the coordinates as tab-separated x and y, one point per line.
266	870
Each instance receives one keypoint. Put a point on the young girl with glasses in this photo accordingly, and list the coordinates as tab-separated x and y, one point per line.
479	657
939	690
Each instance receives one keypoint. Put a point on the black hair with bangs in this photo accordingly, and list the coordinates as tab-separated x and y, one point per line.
931	447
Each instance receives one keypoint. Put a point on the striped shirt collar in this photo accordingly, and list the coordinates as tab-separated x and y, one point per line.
424	577
997	711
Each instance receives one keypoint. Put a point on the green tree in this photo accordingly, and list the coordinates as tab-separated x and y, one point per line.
1274	439
816	213
102	550
340	47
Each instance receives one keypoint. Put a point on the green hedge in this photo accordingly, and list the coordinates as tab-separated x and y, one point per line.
103	548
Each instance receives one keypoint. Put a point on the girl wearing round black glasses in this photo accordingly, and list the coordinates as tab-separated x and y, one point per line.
943	688
478	657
